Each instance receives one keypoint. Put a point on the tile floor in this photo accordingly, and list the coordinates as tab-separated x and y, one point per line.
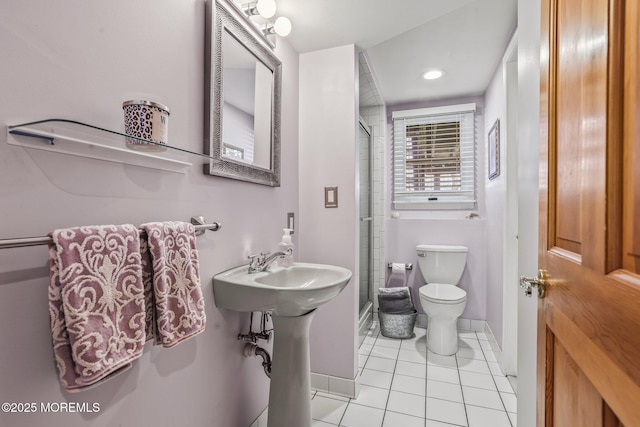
404	385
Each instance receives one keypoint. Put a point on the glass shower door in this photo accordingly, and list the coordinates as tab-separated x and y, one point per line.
366	218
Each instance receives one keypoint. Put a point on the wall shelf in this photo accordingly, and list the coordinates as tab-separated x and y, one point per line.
84	140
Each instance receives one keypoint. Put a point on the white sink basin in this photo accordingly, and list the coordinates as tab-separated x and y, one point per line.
292	291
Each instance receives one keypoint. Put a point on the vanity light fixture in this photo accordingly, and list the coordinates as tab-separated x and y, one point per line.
281	27
264	8
267	10
432	74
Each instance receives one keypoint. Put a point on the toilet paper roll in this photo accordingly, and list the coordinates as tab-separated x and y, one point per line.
398	275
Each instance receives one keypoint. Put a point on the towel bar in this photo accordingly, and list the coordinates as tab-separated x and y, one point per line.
199	225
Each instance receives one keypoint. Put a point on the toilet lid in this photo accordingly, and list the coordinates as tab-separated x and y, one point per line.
443	293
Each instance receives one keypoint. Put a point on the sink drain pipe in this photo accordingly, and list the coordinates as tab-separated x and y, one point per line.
252	349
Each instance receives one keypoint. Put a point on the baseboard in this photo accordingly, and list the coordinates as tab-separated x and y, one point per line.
463	324
336	385
494	346
364	324
261	421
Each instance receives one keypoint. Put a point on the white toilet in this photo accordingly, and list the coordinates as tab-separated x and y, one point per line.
441	298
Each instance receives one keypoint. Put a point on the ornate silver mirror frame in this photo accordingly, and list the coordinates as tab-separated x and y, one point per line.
224	17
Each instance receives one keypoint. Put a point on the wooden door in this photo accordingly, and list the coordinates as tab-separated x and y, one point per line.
589	320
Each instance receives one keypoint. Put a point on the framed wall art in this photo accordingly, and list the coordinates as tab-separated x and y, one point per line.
494	150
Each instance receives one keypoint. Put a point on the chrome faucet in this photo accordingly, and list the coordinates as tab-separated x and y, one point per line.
263	260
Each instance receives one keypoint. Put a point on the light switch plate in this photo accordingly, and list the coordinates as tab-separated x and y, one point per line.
330	197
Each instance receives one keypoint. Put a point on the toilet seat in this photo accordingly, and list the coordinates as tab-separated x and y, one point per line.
443	293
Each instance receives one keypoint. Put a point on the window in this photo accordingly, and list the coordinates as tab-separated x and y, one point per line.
434	158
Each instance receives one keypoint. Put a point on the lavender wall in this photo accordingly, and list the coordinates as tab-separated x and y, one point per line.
328	130
496	193
443	227
80	60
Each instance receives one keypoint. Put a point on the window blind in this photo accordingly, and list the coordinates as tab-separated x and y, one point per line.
434	159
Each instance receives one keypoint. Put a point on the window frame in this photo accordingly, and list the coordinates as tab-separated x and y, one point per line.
464	199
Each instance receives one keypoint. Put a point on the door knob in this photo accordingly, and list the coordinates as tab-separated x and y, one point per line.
539	282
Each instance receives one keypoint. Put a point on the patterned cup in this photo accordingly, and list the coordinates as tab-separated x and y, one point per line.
148	121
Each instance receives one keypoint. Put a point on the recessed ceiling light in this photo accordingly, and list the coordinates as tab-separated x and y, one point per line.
432	75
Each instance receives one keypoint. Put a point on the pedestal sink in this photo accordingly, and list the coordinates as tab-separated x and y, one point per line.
291	295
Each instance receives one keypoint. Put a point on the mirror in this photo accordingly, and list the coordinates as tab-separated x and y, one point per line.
242	107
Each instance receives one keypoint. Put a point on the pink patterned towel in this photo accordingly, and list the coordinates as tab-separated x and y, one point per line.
96	302
179	305
149	300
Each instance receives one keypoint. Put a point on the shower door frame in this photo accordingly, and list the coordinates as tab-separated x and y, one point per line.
368	306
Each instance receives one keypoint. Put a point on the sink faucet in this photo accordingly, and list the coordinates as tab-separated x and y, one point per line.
263	260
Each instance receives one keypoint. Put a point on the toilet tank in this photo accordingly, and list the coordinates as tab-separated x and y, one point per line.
442	263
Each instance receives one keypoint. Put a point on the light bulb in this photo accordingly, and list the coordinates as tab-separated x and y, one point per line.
266	8
282	26
432	75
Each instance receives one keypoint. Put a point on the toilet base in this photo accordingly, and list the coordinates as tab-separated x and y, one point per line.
442	336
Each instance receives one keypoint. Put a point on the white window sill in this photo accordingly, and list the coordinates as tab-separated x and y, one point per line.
435	205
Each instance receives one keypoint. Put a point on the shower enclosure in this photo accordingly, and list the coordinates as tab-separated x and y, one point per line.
366	221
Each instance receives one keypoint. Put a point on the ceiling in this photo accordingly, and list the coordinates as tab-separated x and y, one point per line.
404	38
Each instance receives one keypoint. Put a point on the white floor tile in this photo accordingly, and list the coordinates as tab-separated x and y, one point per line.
332	396
510	402
485	345
470	353
372	396
405	403
362	359
388	342
446	375
485	398
412	356
503	384
444	391
495	368
407	384
381	364
482	336
432	423
490	356
369	340
401	383
417	337
469	342
327	410
474	379
484	417
365	349
473	365
386	352
411	369
376	378
394	419
362	416
445	411
443	361
467	334
415	345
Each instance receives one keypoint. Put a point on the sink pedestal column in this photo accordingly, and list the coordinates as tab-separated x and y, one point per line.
290	390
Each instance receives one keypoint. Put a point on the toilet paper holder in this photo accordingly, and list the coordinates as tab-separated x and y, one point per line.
407	266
